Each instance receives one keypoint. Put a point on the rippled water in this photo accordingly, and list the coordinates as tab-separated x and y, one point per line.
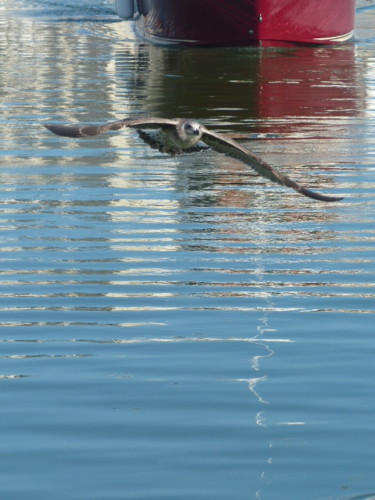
178	327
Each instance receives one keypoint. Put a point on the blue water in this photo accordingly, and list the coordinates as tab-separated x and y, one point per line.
177	328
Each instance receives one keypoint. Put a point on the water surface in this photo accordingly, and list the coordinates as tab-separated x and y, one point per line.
178	327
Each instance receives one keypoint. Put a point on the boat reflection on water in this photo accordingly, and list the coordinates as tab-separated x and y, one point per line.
246	84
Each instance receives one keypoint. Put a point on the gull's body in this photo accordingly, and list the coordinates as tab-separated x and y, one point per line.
177	136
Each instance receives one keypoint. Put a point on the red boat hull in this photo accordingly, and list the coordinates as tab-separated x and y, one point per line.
247	22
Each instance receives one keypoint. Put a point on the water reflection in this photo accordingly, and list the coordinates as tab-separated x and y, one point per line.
261	84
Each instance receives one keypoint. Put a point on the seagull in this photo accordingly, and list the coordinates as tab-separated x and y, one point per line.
179	135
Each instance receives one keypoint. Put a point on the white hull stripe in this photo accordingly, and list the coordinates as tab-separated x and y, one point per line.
338	38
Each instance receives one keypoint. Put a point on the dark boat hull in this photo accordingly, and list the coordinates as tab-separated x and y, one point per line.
246	22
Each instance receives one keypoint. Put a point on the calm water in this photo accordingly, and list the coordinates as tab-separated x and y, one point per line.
179	328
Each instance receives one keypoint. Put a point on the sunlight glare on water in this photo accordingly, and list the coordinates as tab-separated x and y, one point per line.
179	327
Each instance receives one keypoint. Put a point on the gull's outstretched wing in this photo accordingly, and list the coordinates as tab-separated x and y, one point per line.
225	145
89	130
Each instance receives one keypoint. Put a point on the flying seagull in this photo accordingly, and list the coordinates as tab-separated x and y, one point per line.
177	136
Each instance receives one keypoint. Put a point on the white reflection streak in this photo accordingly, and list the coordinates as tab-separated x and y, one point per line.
161	340
291	423
199	339
260	420
255	362
253	382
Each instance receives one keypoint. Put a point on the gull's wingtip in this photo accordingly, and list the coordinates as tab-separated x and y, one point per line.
62	130
331	199
316	196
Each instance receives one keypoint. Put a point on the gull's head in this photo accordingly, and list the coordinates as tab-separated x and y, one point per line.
192	128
